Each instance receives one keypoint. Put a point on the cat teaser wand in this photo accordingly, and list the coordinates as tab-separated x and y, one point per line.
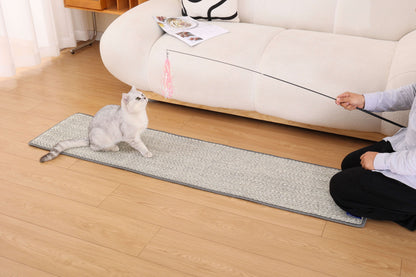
168	88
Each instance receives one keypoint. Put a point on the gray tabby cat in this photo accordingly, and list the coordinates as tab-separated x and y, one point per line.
111	125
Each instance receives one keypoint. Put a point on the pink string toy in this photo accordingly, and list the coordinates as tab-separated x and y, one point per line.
167	79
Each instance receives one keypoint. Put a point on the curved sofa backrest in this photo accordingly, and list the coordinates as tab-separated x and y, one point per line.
378	19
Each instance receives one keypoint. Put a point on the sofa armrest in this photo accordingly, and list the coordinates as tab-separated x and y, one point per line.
403	68
402	72
135	32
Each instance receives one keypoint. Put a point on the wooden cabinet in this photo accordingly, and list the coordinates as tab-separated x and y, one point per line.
103	6
87	4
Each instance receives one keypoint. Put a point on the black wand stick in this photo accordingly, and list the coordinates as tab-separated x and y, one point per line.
283	81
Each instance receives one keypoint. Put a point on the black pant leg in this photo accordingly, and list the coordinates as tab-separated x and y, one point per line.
371	194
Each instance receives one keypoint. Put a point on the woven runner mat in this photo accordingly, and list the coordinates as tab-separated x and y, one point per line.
262	178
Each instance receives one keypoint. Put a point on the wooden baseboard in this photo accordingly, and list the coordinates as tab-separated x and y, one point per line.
255	115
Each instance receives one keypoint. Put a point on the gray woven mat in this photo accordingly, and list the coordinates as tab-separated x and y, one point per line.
269	180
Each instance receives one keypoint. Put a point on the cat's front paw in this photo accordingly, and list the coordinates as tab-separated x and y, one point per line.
148	154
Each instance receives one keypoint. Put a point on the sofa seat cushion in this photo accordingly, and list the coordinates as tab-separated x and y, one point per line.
327	63
204	82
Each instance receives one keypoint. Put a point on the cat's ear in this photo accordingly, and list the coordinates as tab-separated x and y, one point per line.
133	89
124	99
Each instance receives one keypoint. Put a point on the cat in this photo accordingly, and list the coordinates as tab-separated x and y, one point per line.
111	125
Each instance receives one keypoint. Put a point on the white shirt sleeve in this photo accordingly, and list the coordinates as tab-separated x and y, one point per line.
391	100
402	163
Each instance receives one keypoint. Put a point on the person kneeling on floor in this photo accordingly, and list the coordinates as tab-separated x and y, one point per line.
379	181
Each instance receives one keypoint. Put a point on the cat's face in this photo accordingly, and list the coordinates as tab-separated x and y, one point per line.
134	101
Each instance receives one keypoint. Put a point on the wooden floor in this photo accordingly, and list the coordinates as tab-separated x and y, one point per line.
70	217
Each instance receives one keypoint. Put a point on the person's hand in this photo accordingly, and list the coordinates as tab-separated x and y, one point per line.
350	101
367	160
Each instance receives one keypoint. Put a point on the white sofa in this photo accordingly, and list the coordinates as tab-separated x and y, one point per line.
330	46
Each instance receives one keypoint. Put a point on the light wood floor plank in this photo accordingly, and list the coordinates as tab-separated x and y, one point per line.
16	103
25	124
63	255
167	118
318	254
60	110
385	237
203	258
75	219
10	144
409	268
10	268
55	180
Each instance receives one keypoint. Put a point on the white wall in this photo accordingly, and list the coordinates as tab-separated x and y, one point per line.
103	21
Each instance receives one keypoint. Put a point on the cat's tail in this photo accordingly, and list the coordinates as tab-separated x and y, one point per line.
62	146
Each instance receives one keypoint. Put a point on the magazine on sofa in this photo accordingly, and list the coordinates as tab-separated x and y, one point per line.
189	30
